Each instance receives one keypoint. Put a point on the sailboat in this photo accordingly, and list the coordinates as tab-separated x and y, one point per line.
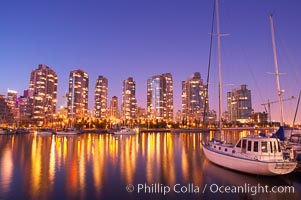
252	154
293	144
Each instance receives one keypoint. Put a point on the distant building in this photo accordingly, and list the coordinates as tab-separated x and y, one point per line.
179	116
160	97
6	116
43	85
11	100
239	104
25	107
141	113
78	94
114	112
193	98
62	112
260	117
101	97
129	102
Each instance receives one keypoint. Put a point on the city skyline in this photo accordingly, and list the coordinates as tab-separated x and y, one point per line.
141	39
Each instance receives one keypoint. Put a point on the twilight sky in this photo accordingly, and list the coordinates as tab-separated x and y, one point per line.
140	38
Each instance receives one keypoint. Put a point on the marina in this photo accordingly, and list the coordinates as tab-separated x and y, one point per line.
124	100
91	166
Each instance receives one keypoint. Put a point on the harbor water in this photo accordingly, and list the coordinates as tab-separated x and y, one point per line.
143	166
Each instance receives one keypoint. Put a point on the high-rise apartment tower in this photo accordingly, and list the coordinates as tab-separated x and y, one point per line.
160	97
129	102
43	86
78	94
101	97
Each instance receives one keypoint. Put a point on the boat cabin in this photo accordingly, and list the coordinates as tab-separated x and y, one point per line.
261	148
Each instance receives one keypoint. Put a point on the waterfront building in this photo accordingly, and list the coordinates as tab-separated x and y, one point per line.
62	112
193	98
77	103
212	117
160	97
129	102
6	116
43	86
24	105
141	113
11	100
101	97
179	116
114	111
239	104
260	117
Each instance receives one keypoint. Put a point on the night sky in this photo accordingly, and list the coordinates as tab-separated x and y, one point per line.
141	38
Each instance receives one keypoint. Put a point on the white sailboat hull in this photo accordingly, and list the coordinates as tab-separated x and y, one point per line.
266	168
125	131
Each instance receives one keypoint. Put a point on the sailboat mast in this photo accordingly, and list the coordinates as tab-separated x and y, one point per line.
276	71
220	87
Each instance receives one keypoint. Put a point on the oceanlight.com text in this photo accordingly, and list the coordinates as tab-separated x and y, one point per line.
191	188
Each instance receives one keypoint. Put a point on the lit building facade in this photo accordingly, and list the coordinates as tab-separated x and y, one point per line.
193	98
129	102
43	86
260	117
6	116
101	97
141	113
239	104
160	97
11	100
114	112
77	103
24	104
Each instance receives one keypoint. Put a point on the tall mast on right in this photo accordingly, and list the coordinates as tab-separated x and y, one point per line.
220	86
279	91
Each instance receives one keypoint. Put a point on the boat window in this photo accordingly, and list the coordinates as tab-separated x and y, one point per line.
275	147
226	149
255	148
244	144
249	145
219	148
239	144
279	149
214	146
233	151
264	147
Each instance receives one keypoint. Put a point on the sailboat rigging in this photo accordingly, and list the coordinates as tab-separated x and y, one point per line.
220	84
220	87
296	111
252	152
279	91
206	106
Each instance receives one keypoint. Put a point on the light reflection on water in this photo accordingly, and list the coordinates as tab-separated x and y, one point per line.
92	166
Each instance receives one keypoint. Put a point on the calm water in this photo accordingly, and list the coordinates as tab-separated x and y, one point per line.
92	166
